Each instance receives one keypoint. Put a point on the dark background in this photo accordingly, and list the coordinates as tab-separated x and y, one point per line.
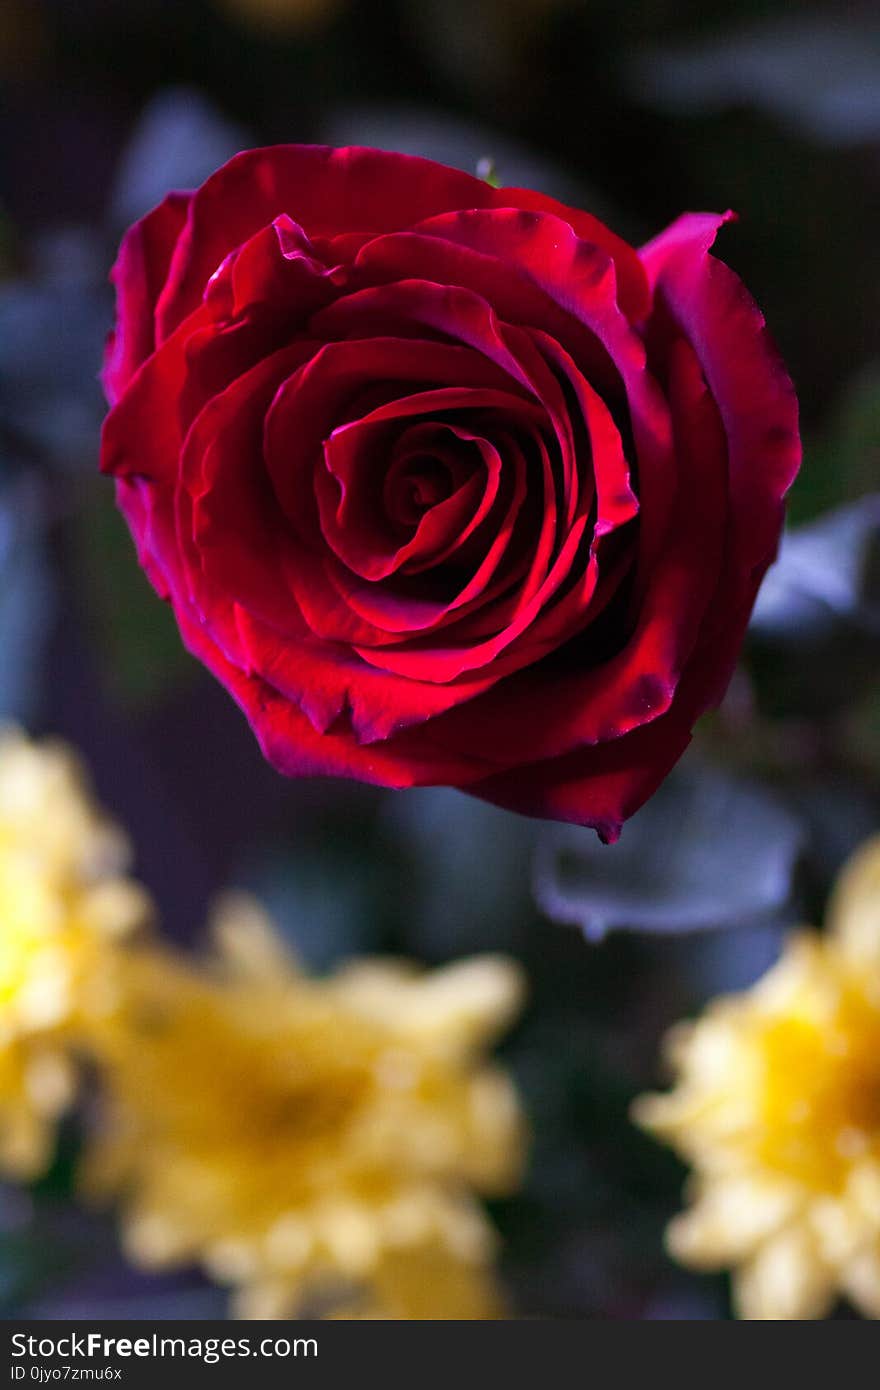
637	111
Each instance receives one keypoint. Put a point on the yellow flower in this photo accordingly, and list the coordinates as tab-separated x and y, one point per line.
423	1281
317	1144
777	1108
63	901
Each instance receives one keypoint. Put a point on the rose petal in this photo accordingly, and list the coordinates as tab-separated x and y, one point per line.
291	743
323	189
708	303
138	275
568	706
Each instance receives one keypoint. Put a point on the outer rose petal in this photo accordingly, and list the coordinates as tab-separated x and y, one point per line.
603	786
325	190
292	745
633	290
138	275
712	308
353	190
599	787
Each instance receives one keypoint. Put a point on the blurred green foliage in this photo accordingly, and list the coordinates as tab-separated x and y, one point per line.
142	657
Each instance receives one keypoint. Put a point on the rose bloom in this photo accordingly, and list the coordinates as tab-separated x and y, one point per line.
446	483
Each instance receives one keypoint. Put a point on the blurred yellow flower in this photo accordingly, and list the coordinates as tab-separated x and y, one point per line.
319	1145
63	901
777	1107
316	1144
422	1282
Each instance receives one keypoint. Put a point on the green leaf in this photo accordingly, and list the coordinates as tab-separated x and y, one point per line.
143	656
845	463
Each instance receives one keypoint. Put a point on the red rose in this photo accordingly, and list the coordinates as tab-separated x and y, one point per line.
447	483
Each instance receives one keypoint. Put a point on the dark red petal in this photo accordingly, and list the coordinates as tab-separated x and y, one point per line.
329	392
291	743
709	305
143	432
233	541
430	659
567	705
136	499
333	687
603	786
139	275
362	461
597	787
487	598
325	190
633	291
533	269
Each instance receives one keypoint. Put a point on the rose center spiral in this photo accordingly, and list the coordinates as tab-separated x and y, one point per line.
422	482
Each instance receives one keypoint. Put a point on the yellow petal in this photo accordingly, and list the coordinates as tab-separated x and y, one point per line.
861	1281
785	1280
731	1217
462	1006
246	938
854	909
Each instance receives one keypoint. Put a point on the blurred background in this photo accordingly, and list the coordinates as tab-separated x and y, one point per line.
635	111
